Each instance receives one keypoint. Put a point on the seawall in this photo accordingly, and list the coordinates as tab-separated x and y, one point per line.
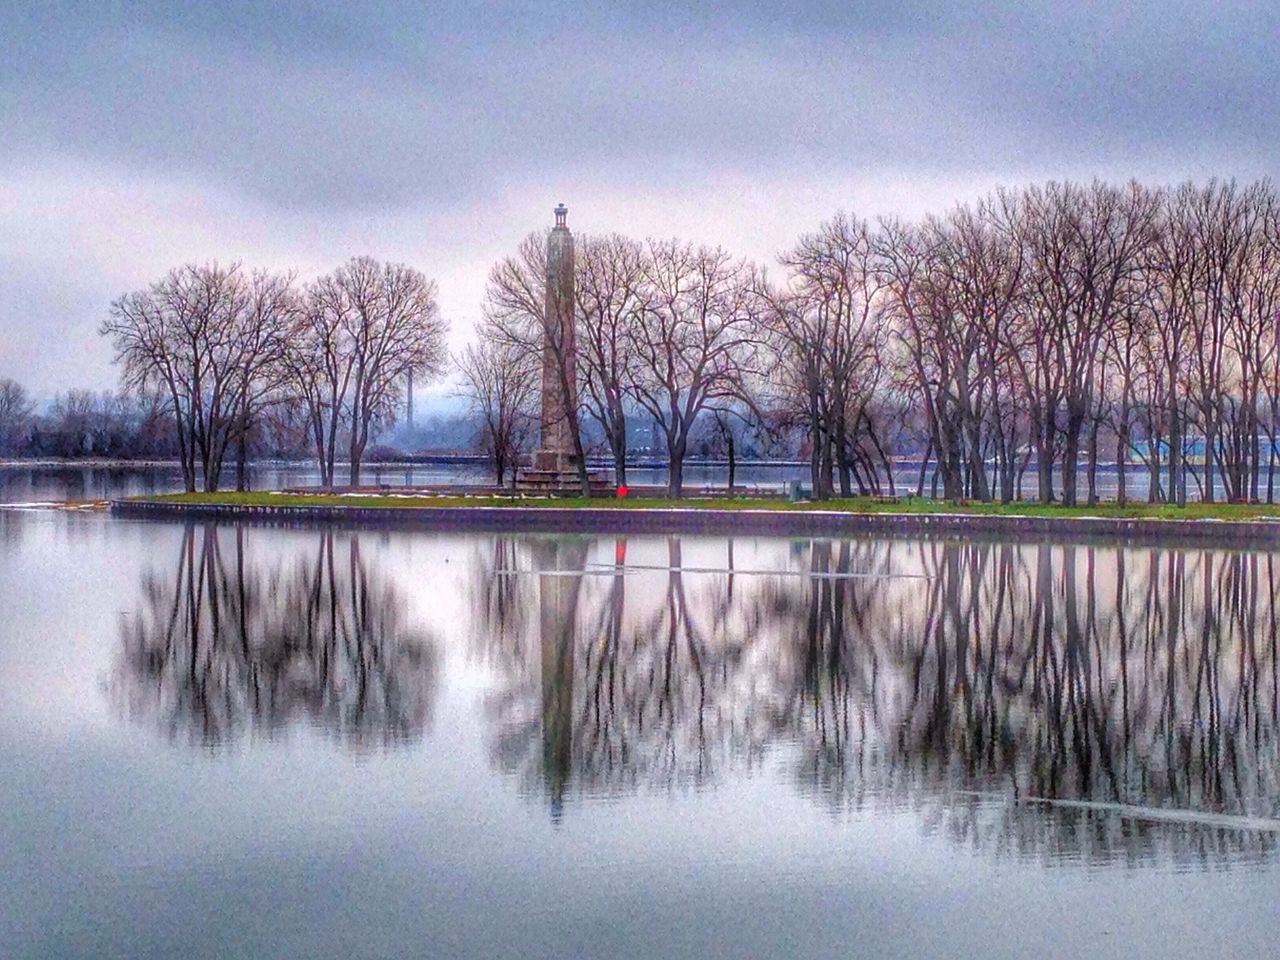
1257	534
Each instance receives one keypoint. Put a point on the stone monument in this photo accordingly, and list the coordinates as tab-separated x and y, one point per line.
556	451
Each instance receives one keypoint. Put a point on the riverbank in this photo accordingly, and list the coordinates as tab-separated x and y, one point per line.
1256	525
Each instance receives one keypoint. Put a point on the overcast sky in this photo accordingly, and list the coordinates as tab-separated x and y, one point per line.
137	136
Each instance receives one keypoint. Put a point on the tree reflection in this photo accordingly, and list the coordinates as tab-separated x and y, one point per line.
10	528
1018	671
1021	697
229	644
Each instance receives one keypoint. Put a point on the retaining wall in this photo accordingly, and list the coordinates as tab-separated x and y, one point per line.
1245	533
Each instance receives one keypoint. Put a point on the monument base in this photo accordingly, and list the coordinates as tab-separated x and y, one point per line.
558	461
555	473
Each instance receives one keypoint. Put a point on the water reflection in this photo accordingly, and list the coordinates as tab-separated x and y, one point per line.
1101	704
1065	673
607	693
10	529
227	643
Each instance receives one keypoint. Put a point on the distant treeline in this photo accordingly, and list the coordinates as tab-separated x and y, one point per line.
81	423
124	426
115	425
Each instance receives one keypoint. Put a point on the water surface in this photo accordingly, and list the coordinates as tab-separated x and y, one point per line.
236	741
30	483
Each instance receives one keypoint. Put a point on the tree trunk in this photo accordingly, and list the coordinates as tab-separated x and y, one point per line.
580	456
242	454
188	467
924	466
620	459
733	462
841	444
884	459
1091	465
355	466
1122	453
1255	449
1122	443
1155	493
675	474
815	470
824	490
979	488
1210	445
1044	467
1071	458
1271	468
1177	492
949	463
815	438
317	437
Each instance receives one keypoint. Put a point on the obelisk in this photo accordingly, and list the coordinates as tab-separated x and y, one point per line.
559	367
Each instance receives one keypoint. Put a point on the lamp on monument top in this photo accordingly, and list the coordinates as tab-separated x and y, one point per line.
561	212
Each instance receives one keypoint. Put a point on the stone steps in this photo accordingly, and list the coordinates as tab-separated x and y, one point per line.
561	483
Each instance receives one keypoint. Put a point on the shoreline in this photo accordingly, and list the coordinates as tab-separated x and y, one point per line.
699	518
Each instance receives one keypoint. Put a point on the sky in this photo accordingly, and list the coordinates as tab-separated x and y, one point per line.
138	136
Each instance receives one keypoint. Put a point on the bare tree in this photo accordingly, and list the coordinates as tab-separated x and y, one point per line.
694	341
501	386
932	346
1265	299
15	415
359	333
1170	267
269	315
394	327
1082	244
832	332
1123	342
198	334
609	288
1255	297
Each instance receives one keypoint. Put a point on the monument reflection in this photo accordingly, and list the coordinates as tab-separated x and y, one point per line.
1041	700
603	692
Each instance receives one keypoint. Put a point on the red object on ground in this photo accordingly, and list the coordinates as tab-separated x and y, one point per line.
620	490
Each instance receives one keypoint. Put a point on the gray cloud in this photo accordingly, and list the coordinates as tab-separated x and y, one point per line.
309	116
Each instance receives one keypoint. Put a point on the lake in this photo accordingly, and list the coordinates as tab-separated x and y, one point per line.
41	483
244	741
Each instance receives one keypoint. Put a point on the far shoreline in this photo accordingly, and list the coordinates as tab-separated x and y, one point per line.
1254	526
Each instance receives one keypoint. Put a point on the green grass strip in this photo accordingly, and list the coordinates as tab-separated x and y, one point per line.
854	505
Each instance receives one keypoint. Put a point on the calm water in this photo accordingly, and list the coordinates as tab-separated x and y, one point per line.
21	483
254	742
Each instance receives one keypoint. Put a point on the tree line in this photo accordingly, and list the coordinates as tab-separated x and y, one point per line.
1050	328
1024	340
80	423
225	348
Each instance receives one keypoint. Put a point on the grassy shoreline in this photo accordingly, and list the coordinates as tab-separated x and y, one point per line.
854	505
